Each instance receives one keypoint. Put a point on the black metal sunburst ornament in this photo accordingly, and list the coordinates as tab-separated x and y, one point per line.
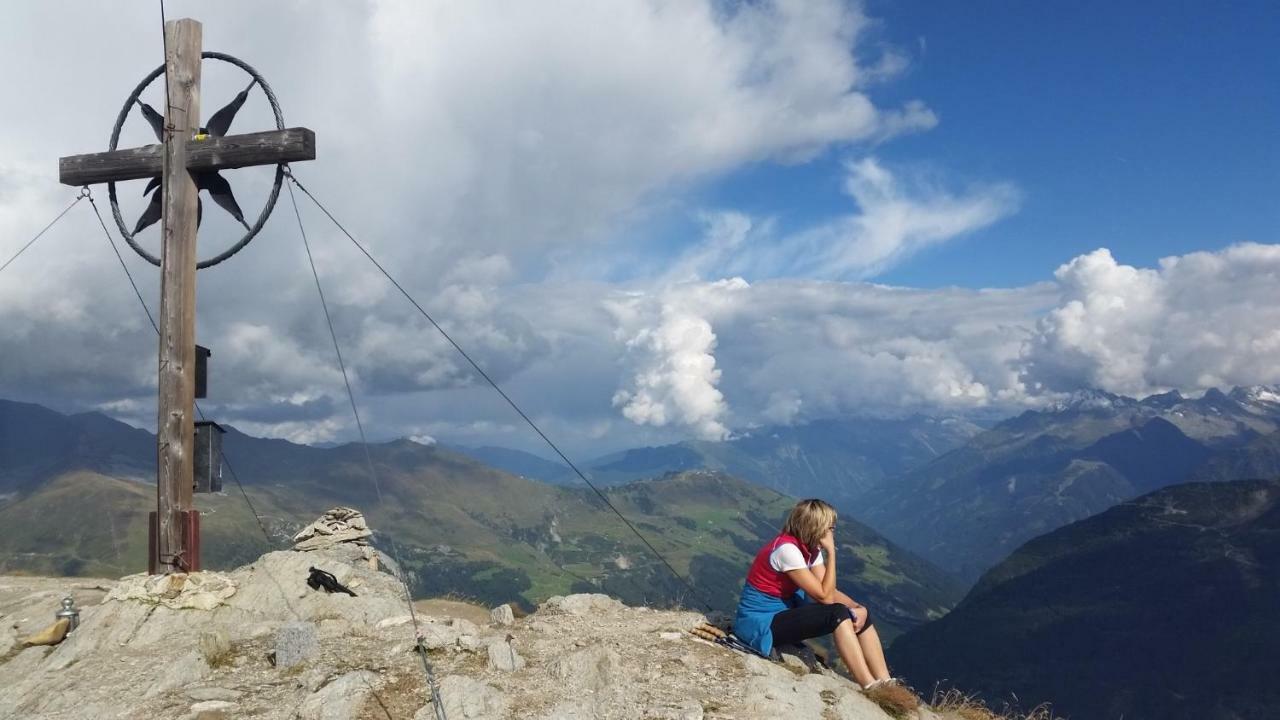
210	181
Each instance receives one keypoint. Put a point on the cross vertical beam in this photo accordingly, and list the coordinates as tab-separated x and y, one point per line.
175	425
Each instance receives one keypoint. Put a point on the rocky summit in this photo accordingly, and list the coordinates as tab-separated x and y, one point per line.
259	642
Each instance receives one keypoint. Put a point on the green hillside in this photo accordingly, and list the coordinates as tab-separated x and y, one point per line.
463	528
1163	607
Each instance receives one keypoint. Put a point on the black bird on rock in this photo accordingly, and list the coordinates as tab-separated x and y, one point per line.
210	181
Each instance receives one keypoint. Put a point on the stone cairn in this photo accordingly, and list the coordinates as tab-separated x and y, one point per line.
341	532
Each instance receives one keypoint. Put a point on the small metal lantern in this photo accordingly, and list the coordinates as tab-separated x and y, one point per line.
208	460
202	372
70	612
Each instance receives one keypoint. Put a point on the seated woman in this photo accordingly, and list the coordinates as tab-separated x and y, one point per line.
790	595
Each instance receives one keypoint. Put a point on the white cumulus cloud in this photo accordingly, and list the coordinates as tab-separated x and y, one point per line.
1206	319
676	375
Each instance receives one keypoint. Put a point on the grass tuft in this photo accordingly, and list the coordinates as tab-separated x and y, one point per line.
894	699
961	706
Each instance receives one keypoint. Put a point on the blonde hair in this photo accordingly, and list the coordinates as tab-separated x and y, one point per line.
809	520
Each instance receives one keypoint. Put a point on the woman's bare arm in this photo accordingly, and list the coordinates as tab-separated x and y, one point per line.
820	587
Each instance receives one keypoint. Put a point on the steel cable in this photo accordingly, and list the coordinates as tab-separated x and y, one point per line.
436	702
476	366
145	308
83	194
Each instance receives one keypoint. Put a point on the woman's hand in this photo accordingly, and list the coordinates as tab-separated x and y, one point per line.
821	590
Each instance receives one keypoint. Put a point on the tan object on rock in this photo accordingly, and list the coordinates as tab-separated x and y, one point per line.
706	627
704	634
51	635
709	632
338	525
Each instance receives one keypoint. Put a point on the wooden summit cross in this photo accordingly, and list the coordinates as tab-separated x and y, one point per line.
176	547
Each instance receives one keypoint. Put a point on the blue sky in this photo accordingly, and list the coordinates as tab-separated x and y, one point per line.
1147	128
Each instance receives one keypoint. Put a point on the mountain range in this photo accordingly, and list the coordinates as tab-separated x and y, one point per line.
1163	607
1260	458
1031	474
964	497
75	490
837	459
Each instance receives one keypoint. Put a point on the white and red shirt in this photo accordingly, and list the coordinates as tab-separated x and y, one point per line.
768	572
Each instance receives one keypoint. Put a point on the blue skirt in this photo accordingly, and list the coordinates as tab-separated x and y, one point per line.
753	623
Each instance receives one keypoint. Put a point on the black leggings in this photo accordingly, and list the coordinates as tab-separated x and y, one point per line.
809	621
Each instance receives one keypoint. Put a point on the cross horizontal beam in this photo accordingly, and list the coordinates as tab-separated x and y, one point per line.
211	153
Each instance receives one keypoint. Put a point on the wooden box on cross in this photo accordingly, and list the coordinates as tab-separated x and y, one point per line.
208	459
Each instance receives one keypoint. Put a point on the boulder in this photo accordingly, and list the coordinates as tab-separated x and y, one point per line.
338	525
503	657
274	587
295	643
193	591
502	615
437	635
466	698
582	604
341	699
592	669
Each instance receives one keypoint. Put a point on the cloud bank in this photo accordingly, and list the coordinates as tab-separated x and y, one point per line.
507	163
787	350
1194	322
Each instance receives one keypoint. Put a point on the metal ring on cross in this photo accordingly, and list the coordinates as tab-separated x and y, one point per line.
275	188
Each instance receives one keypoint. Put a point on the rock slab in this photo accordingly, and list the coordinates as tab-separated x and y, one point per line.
295	642
503	657
341	699
466	698
594	669
338	525
582	604
502	615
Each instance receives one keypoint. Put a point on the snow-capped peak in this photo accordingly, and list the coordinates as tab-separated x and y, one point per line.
1267	395
1090	399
